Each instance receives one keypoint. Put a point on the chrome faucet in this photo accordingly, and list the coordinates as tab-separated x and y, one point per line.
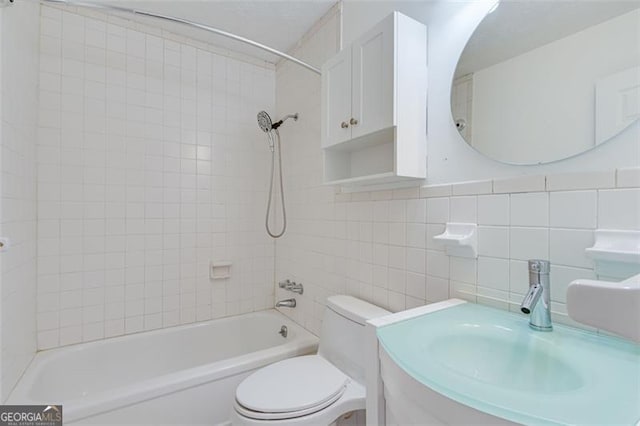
537	302
286	303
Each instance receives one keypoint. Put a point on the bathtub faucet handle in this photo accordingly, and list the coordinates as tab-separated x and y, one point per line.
291	286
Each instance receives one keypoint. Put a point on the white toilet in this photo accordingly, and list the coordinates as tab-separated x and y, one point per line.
313	389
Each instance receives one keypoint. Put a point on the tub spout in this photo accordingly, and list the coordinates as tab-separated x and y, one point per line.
286	303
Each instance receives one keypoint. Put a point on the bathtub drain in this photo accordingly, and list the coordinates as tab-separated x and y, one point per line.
283	331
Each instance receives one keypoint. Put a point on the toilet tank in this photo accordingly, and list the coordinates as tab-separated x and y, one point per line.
342	334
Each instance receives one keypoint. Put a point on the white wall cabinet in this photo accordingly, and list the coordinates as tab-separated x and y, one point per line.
374	100
336	77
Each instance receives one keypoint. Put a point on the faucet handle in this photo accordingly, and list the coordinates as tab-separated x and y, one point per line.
284	284
539	266
291	286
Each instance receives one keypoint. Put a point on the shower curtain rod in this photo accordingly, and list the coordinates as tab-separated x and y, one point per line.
191	24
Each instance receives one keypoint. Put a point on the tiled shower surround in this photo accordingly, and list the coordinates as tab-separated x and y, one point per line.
378	246
150	165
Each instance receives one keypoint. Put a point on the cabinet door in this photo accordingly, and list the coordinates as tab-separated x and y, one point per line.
373	79
336	99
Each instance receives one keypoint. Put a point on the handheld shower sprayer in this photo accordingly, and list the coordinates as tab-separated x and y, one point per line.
266	124
270	128
264	121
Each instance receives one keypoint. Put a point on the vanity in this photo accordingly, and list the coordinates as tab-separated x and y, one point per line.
460	363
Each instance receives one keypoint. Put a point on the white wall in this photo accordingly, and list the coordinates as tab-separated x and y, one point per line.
540	106
450	24
18	119
150	165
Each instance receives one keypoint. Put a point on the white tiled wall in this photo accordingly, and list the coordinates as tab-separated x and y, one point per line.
150	165
314	249
18	120
378	245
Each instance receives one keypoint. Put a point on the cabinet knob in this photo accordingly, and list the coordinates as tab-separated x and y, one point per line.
344	125
353	121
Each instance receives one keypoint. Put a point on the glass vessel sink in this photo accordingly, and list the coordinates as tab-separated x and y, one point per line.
492	361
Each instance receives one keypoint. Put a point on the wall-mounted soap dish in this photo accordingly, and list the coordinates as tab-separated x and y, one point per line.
220	270
616	253
460	239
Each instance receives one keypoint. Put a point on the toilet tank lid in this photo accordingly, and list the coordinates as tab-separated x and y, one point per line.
355	309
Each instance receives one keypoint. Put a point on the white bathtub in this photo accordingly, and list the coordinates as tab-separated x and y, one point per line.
184	375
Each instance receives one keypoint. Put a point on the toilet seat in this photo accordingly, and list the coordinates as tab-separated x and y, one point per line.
290	388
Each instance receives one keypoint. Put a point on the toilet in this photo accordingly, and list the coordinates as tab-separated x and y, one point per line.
313	389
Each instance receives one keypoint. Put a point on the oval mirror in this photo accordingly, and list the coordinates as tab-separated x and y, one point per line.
540	81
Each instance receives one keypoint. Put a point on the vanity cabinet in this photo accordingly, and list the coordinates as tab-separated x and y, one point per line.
374	106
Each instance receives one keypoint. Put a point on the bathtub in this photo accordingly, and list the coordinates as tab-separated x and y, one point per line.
184	375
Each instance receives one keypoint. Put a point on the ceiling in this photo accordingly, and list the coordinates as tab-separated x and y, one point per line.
277	24
518	26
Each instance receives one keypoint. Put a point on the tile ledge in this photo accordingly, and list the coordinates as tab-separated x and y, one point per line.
621	178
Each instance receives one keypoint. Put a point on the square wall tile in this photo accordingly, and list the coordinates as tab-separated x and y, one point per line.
567	247
416	235
518	277
493	241
397	211
381	211
397	280
464	209
530	209
416	260
529	243
437	289
416	211
619	209
438	210
437	264
416	285
493	273
493	209
397	234
573	209
463	269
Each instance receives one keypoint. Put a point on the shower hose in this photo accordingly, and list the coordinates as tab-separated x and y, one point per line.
275	146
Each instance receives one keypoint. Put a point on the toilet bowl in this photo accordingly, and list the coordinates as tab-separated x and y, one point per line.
313	389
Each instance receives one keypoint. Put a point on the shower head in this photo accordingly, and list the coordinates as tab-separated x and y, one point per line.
264	121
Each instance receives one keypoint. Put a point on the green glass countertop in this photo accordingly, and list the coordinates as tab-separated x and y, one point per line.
492	361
